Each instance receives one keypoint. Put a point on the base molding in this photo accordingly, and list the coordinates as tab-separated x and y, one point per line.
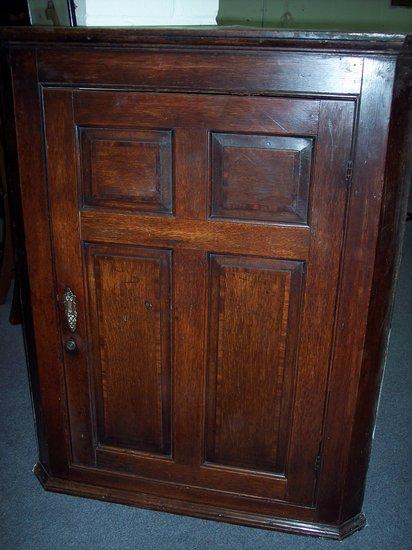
204	511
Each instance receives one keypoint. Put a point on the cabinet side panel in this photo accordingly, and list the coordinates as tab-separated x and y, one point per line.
34	251
388	254
130	331
356	286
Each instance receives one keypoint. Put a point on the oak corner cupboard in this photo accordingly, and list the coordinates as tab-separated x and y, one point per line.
207	230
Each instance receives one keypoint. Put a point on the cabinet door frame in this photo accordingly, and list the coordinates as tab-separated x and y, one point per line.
74	224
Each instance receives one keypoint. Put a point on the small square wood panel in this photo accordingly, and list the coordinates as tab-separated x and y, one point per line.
126	169
260	178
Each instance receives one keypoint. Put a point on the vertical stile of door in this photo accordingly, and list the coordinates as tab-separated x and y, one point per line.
64	205
190	285
327	214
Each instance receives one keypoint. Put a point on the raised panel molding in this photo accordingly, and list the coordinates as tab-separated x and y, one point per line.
254	309
126	169
129	294
260	178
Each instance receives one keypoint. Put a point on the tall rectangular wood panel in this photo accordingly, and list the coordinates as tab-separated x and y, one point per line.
196	218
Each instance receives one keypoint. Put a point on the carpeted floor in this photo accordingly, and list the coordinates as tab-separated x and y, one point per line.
33	519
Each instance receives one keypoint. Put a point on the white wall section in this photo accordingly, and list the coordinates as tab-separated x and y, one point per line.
146	12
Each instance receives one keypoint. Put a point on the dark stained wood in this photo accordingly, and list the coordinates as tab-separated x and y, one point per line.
204	465
357	274
245	72
137	497
269	488
191	201
130	322
241	114
234	37
67	256
221	236
326	219
126	169
6	249
227	252
260	177
398	171
253	317
28	193
190	294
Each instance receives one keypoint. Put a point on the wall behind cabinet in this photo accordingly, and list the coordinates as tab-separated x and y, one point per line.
347	15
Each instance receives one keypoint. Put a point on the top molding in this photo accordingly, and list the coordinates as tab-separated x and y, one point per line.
233	37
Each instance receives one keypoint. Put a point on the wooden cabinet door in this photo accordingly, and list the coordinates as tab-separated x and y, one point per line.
201	236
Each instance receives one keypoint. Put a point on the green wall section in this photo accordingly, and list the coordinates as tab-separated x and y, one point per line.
343	15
